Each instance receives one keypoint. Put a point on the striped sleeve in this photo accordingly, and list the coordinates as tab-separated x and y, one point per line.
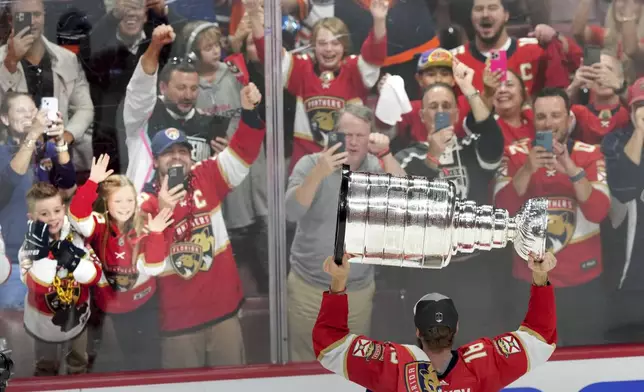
366	362
223	172
81	216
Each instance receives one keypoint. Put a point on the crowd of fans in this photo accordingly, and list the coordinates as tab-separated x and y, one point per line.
133	218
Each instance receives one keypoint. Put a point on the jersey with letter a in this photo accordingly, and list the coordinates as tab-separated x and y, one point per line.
481	366
525	57
573	226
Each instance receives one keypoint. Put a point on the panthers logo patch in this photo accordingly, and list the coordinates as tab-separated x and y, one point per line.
121	282
421	377
53	301
562	220
186	259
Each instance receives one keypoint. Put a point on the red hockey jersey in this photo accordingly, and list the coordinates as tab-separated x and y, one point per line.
320	95
483	365
573	227
511	133
125	284
43	299
537	67
198	279
593	123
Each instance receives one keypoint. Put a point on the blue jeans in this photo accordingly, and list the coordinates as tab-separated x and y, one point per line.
13	291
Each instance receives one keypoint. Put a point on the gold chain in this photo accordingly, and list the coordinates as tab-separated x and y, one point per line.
65	288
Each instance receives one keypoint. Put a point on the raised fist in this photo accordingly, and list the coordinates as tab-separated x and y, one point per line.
162	36
250	96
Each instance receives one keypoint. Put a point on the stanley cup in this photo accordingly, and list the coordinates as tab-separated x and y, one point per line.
414	222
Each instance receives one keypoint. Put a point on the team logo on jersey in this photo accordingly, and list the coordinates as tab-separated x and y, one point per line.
562	219
186	259
321	112
196	252
53	301
421	377
507	345
121	282
46	164
605	117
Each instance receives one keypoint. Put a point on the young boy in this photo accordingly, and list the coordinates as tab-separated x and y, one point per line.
219	88
58	269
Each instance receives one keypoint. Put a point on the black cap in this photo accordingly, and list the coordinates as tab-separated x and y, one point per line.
435	310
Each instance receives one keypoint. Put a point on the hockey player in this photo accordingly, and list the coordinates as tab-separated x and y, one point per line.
58	269
482	365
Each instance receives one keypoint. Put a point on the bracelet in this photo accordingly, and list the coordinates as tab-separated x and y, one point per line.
338	292
62	148
29	143
384	153
474	94
578	176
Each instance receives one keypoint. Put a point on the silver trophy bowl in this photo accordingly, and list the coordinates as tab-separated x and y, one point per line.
414	222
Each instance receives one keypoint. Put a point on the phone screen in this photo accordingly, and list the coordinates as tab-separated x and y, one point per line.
592	55
336	137
442	120
20	21
543	139
175	176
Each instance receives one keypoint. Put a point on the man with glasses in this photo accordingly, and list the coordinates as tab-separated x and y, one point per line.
145	114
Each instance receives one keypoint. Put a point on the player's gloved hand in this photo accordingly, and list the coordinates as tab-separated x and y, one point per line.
36	245
68	255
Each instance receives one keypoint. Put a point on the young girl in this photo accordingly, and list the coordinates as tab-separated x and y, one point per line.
117	235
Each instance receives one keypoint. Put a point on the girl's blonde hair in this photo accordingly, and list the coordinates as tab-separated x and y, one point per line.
337	27
107	188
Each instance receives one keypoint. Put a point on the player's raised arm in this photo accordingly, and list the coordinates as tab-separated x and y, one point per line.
509	356
369	363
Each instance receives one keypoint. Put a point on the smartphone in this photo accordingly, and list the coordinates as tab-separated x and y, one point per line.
175	176
499	62
543	139
442	120
50	104
592	54
336	137
20	21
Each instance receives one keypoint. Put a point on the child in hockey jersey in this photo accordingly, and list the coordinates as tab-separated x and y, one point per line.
125	290
58	270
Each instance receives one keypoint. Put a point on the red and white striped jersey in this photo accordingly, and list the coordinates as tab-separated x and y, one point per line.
480	366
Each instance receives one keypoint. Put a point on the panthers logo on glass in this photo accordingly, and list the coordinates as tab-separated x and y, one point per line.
562	220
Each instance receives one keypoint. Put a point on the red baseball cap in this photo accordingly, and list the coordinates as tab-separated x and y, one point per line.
636	92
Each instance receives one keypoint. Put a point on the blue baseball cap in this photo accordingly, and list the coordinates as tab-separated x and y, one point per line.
168	138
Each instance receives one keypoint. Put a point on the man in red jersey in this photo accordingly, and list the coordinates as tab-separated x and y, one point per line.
547	59
482	365
572	176
199	288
